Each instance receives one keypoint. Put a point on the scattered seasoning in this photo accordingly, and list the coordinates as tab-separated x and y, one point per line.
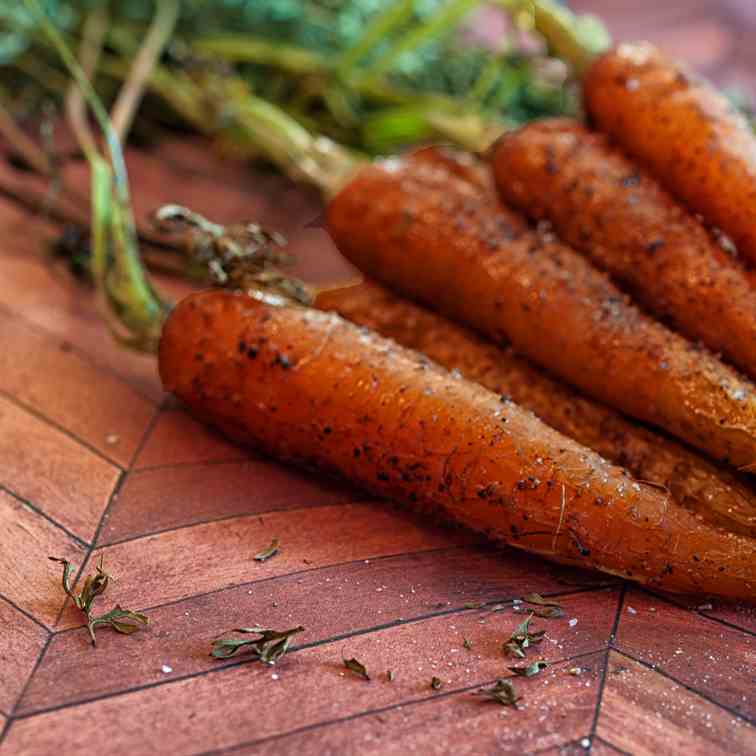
121	620
357	667
575	671
474	605
269	647
572	622
436	683
112	439
502	692
166	669
466	644
547	609
630	610
390	676
522	639
266	554
531	670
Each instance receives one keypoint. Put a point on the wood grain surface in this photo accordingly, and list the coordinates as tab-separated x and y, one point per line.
96	461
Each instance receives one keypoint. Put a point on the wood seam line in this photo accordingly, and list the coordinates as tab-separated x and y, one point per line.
604	672
724	707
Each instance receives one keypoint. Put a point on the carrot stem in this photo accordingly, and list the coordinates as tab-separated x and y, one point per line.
576	40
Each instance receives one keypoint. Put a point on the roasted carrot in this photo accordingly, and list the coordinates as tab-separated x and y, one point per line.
463	165
715	494
621	218
442	241
307	386
683	130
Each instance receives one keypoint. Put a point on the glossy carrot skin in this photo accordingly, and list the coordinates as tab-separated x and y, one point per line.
712	492
683	130
443	242
308	386
621	218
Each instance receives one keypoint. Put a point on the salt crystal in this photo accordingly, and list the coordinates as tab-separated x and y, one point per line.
631	610
166	670
572	622
585	742
274	676
112	439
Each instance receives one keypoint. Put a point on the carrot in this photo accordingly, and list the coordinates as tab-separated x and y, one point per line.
620	217
442	241
683	130
307	386
712	492
463	165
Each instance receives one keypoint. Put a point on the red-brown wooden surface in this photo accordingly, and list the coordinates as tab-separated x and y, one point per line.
95	460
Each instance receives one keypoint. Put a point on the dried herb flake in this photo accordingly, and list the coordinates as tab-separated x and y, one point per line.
531	670
436	683
121	620
522	638
271	551
357	667
503	692
269	647
547	609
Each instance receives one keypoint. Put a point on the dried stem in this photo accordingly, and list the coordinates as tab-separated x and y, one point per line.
135	311
23	144
574	39
131	93
93	34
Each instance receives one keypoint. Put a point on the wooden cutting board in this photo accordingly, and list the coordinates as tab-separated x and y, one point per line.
96	462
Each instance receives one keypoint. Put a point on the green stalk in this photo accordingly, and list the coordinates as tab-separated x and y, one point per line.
120	277
245	48
379	28
576	40
157	37
26	147
442	22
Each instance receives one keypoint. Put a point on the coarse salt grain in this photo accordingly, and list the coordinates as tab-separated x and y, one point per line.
572	622
166	670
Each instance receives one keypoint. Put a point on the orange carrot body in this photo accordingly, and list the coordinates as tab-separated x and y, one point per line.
308	386
442	241
620	217
683	130
715	494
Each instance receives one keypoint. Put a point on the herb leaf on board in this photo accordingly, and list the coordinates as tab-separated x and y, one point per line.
530	670
266	554
268	647
547	609
121	620
359	668
503	692
522	638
